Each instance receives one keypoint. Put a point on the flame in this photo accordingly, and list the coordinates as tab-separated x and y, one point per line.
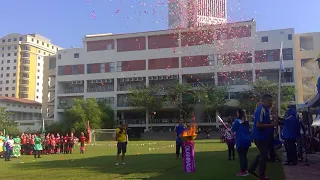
192	128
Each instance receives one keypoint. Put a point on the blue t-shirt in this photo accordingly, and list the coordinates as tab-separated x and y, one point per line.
242	134
291	127
179	130
262	115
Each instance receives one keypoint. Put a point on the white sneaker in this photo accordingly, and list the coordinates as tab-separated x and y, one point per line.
123	163
117	164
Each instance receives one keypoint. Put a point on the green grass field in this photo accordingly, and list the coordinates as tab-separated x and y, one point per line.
145	160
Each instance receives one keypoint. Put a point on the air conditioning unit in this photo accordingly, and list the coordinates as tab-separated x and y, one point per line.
165	77
161	78
122	80
170	77
100	81
288	69
136	79
155	78
131	79
151	78
127	79
96	81
140	78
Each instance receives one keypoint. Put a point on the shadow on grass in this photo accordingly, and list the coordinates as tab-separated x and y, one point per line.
209	165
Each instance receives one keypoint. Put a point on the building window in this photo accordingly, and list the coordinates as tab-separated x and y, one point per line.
15	47
111	67
37	41
7	88
211	60
289	36
14	39
26	61
47	45
20	39
14	54
76	55
119	66
13	88
13	95
6	95
0	89
24	82
2	61
14	74
7	75
32	39
38	64
24	88
13	81
37	97
42	43
7	81
60	70
2	48
3	41
24	95
264	39
25	75
25	55
9	47
2	55
9	54
37	90
38	77
14	67
9	40
59	56
8	61
287	54
25	68
8	68
15	61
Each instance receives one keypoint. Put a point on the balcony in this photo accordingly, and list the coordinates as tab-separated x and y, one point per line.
74	90
125	84
163	81
306	43
273	75
198	80
106	85
51	87
70	87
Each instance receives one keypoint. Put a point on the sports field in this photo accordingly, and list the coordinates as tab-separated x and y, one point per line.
145	160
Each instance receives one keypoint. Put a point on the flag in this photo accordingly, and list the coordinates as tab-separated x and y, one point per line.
89	132
281	58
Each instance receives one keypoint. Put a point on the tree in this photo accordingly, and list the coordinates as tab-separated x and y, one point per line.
82	111
250	98
183	98
212	98
148	99
107	118
11	127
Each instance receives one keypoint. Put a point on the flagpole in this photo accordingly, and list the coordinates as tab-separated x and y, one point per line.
281	68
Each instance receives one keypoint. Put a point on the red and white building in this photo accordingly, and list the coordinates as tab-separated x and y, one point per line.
191	13
108	65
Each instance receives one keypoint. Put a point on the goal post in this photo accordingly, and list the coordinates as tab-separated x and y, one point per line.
102	135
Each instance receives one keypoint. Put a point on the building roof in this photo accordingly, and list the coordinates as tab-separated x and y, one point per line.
18	100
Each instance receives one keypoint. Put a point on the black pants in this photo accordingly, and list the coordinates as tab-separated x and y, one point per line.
272	153
300	147
291	149
178	147
7	154
231	150
242	153
36	153
262	157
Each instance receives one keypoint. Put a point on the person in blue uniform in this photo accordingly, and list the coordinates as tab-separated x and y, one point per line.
291	130
262	132
179	129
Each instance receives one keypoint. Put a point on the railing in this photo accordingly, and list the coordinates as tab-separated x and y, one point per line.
123	105
134	121
230	83
126	88
200	84
50	114
101	89
74	90
51	99
287	79
64	106
52	85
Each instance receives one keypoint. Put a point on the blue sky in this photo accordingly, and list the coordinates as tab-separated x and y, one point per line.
66	22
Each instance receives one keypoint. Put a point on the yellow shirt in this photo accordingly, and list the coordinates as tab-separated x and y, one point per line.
122	137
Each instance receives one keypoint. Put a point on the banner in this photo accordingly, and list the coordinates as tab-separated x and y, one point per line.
188	157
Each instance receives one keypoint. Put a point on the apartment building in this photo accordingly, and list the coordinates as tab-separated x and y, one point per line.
26	113
307	51
22	60
189	13
108	65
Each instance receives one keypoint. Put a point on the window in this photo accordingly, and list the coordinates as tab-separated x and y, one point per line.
8	75
44	53
9	47
2	55
13	95
25	55
37	90
15	61
14	74
14	67
9	54
264	39
2	62
59	56
111	65
2	48
6	95
7	81
8	61
14	54
25	68
3	41
25	75
14	39
9	40
37	41
1	68
38	64
32	39
60	70
37	97
38	77
20	39
13	88
1	75
42	43
7	88
219	59
24	95
38	70
13	81
24	88
26	61
38	84
24	82
0	89
119	66
8	68
287	54
47	45
289	36
76	55
211	60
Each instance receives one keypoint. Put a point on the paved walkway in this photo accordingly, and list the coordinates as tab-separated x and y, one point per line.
301	171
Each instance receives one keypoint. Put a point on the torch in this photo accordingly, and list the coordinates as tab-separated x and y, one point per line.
188	137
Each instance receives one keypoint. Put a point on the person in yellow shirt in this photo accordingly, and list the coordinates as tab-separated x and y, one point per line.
122	141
